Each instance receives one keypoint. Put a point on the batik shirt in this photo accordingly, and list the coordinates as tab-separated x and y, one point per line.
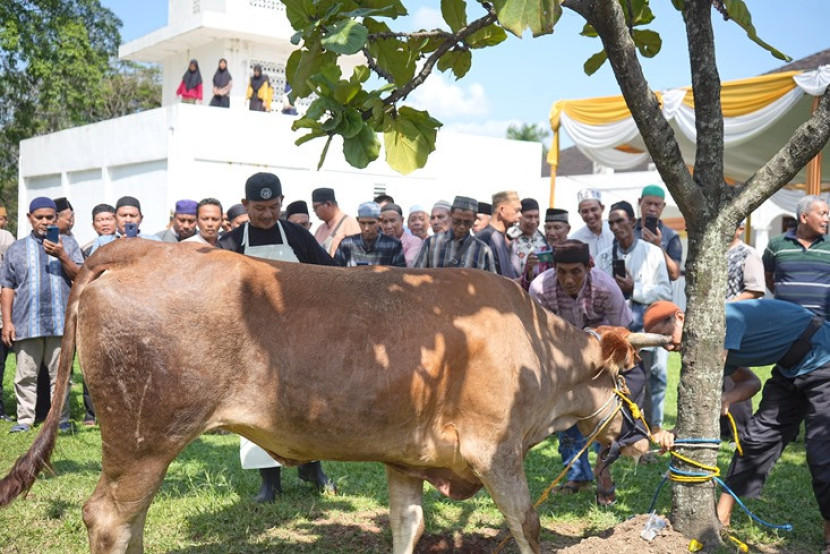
523	247
40	285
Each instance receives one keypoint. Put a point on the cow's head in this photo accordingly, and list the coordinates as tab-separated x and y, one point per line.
619	355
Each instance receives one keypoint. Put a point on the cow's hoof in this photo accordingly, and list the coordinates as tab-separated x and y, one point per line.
266	496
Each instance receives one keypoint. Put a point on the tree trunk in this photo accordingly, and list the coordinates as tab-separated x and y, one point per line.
698	404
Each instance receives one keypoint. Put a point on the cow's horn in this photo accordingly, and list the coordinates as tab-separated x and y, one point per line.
644	340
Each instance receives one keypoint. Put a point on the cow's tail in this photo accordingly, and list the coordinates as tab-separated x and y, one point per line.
27	467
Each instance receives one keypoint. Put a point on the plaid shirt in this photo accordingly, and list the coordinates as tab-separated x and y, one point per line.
441	250
385	250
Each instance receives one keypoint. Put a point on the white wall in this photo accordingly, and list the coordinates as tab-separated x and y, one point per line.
192	151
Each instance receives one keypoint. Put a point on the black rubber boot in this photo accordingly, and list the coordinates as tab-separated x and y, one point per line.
271	485
312	472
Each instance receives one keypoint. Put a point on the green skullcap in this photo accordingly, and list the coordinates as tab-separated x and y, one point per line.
653	190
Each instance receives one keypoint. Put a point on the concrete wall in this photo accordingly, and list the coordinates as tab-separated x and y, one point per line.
192	151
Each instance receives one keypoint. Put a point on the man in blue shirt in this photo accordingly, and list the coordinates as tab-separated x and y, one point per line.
35	277
759	333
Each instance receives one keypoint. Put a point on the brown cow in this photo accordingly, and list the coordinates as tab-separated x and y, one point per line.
489	374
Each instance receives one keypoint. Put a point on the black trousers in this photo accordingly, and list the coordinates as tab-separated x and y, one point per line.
785	403
4	352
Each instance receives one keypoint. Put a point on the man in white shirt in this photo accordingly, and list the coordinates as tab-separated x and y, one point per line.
642	276
596	233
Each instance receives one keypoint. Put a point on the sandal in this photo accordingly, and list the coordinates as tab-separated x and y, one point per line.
606	497
572	487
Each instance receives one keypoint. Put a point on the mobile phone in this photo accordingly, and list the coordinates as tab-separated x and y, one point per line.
544	255
619	268
52	234
131	230
651	223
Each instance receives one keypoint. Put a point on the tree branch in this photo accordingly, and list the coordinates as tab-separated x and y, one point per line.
372	64
706	86
435	33
430	62
607	18
803	146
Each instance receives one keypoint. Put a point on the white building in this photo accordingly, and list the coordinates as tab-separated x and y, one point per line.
196	151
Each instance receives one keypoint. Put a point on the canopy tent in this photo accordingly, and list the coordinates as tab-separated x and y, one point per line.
760	114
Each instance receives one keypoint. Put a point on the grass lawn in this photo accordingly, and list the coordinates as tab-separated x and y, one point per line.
205	504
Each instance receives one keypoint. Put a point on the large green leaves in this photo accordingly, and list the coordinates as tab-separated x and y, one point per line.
409	138
347	36
362	148
458	61
537	15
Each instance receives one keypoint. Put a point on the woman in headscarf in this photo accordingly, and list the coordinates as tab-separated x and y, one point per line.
222	84
190	89
260	92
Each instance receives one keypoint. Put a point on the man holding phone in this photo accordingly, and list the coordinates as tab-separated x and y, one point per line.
651	229
35	277
128	218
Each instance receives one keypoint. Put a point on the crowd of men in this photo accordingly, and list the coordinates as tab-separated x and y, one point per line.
607	272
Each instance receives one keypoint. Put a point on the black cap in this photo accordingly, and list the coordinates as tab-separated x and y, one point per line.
624	206
128	201
391	207
62	204
261	187
556	214
298	207
323	195
485	208
102	209
235	211
529	204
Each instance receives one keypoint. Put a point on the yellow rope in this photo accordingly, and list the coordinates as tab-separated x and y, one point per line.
735	433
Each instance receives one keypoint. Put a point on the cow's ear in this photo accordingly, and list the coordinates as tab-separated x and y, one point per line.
617	354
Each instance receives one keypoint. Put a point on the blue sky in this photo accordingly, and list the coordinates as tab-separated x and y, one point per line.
518	80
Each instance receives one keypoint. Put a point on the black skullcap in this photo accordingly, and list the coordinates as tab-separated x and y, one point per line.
261	187
624	206
298	207
556	214
323	195
235	211
465	204
485	208
102	209
62	204
571	252
529	204
128	201
390	207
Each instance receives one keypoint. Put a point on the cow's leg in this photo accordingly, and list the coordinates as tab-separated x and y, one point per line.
507	485
406	515
115	513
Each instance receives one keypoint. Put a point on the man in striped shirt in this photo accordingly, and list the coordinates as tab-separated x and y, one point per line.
797	263
457	247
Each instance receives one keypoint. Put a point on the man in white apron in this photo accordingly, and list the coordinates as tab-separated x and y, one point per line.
266	236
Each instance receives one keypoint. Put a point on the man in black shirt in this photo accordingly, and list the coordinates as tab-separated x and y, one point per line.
266	236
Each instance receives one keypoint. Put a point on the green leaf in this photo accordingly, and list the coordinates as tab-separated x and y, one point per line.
298	13
361	149
352	123
648	42
679	5
488	36
739	13
391	8
595	62
589	31
360	74
538	15
454	13
310	136
347	36
304	63
459	61
392	55
409	138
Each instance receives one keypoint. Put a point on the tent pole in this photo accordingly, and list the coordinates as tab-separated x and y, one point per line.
814	166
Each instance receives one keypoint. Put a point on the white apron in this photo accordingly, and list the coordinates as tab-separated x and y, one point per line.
251	455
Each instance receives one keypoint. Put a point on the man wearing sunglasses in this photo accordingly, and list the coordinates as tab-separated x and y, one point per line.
457	247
